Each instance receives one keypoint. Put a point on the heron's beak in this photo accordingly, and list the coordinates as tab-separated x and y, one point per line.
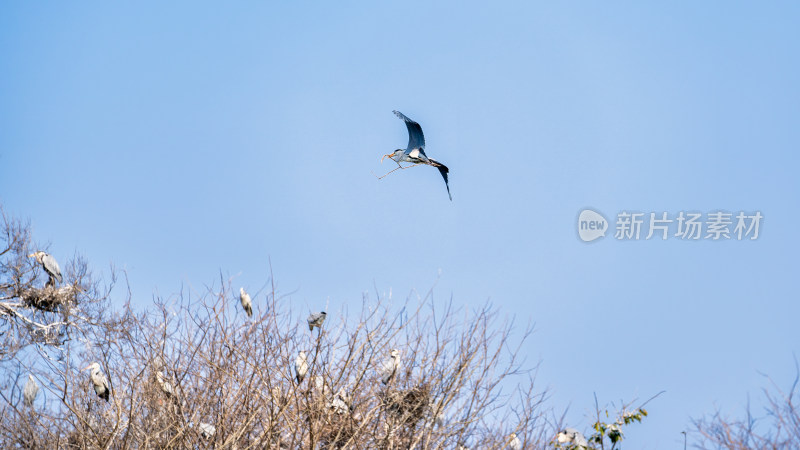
31	255
86	368
388	155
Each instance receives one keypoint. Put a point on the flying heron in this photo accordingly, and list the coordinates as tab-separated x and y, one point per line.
247	303
49	265
316	319
301	366
415	151
30	391
99	380
390	366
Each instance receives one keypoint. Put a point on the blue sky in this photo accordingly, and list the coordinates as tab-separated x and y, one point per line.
186	139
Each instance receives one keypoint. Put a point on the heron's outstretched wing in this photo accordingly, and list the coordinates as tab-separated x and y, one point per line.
51	266
415	137
444	171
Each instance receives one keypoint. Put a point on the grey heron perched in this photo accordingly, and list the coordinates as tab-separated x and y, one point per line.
415	151
571	436
30	391
247	303
316	320
49	265
99	380
301	366
514	443
390	366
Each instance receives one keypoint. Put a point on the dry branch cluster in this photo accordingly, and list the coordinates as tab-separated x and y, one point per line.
194	371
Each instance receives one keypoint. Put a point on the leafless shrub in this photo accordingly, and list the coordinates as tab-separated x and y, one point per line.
777	428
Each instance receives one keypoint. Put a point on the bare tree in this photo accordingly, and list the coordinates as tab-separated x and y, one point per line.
778	427
193	371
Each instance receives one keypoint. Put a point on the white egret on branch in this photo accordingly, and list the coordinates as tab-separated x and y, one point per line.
49	265
571	436
99	380
30	391
390	366
165	385
301	366
341	402
247	303
319	385
514	443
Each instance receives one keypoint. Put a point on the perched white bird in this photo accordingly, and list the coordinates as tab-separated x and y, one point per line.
571	436
30	391
319	384
514	443
390	366
316	320
247	303
340	403
165	385
206	430
301	366
99	380
49	265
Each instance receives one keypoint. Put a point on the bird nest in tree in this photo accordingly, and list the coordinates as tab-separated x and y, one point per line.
338	433
408	405
48	298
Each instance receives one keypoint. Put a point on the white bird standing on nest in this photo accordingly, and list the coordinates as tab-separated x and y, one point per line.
301	366
99	380
390	366
247	303
49	265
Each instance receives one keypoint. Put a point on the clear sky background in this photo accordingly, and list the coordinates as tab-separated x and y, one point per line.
178	140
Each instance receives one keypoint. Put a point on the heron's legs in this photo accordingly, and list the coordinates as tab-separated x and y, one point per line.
398	168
